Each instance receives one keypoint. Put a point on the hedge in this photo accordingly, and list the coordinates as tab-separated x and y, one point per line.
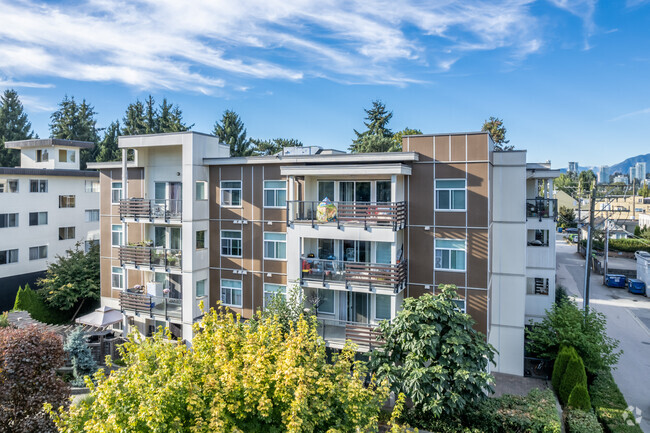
610	405
579	421
627	245
32	302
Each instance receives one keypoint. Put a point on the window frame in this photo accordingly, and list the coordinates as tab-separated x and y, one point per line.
457	301
272	293
196	288
230	239
121	235
38	183
204	190
38	218
275	194
546	282
390	312
91	212
40	249
64	233
275	246
7	217
114	189
66	200
8	255
202	244
91	186
241	294
121	275
7	184
451	196
333	312
435	255
231	189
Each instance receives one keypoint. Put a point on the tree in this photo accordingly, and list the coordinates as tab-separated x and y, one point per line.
495	127
434	356
170	118
13	126
566	325
559	366
83	363
107	148
587	179
644	191
579	398
574	375
72	279
273	146
231	131
567	182
29	358
567	217
151	116
134	121
239	377
286	308
73	121
377	119
397	137
32	302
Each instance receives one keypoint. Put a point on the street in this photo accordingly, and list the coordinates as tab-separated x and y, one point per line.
628	320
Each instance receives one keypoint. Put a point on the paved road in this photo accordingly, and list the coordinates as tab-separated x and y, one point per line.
628	320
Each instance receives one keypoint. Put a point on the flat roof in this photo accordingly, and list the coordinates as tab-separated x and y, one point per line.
448	133
17	171
46	142
161	139
316	159
110	164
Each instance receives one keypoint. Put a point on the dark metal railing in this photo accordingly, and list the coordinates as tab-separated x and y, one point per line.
151	209
541	208
347	212
373	274
151	257
151	305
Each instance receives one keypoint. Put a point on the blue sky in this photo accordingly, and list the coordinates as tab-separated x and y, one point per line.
569	78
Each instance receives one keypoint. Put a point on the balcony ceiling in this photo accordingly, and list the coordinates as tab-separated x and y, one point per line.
345	169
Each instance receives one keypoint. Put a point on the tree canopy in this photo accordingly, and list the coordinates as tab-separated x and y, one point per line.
74	121
145	118
273	146
495	127
231	131
397	137
14	125
377	137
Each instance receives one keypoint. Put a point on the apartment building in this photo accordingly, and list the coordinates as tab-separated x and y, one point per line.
46	206
184	222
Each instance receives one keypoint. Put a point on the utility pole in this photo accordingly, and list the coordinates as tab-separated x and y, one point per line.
633	199
579	208
590	231
605	260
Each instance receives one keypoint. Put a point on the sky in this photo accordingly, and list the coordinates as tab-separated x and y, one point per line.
570	78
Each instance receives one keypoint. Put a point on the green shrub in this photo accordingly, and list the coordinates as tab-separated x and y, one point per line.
579	421
626	245
610	405
83	363
574	375
579	397
4	320
32	302
559	367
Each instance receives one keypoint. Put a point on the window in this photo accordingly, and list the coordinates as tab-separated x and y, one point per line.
117	277
66	201
200	239
231	193
450	254
537	286
275	193
537	238
37	185
8	256
383	191
231	293
275	246
42	156
92	215
89	244
450	194
66	233
382	307
66	155
460	303
92	186
37	253
326	190
8	220
116	192
116	235
8	185
37	218
201	190
231	243
200	288
270	290
326	301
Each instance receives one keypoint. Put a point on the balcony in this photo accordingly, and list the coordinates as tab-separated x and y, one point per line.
373	274
337	332
542	208
137	208
142	303
151	257
362	214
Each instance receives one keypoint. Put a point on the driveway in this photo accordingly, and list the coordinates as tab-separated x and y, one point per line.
628	320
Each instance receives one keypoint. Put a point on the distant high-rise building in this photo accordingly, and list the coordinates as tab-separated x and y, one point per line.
573	167
632	174
603	174
640	170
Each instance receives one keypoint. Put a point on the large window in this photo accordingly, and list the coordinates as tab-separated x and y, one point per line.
8	256
200	239
275	246
38	253
231	193
450	254
117	278
450	194
66	155
275	193
326	301
8	220
382	307
92	186
325	190
66	233
270	290
116	192
92	215
37	185
231	243
37	218
537	286
231	293
117	235
201	190
66	201
383	191
8	185
200	288
42	156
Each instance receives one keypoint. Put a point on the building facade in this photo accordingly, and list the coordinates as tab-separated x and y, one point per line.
573	167
603	174
46	206
640	171
356	233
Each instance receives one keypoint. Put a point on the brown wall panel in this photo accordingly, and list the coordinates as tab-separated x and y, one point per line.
415	291
420	260
422	145
442	148
258	292
231	172
275	279
446	277
477	258
280	215
215	243
421	195
450	233
231	262
450	171
477	308
477	194
215	288
458	147
454	219
477	147
247	295
275	266
257	199
105	277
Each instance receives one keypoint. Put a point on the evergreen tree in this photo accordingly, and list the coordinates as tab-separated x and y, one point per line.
495	127
273	146
83	363
13	126
107	149
170	118
134	121
231	131
73	121
377	119
151	117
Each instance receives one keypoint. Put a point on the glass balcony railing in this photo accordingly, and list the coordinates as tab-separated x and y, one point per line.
377	274
151	209
541	208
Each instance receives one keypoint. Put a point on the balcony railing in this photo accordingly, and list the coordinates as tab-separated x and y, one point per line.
151	305
151	209
373	274
337	332
151	257
346	212
541	208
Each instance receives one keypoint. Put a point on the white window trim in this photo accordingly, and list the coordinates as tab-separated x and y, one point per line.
435	188
17	256
120	189
121	232
241	240
205	289
91	183
122	274
464	301
435	249
221	287
275	193
205	240
17	220
241	198
334	301
38	186
264	292
205	190
374	313
92	211
264	241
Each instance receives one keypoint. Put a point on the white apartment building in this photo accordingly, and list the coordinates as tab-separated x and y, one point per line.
640	170
603	174
46	206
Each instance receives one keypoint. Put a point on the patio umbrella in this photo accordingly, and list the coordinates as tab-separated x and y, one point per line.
101	317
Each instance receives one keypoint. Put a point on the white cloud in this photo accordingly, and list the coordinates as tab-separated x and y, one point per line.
583	9
11	83
199	45
35	104
631	114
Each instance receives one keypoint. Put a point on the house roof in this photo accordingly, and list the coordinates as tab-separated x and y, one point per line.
48	142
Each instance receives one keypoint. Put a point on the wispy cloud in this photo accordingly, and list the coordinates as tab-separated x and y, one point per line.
4	82
634	3
203	44
632	114
583	9
35	104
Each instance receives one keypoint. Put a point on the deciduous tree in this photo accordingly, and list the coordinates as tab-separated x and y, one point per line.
397	137
14	125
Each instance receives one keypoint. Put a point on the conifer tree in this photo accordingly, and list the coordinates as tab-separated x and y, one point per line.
13	126
74	121
170	118
151	116
107	148
231	131
273	146
377	137
134	121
